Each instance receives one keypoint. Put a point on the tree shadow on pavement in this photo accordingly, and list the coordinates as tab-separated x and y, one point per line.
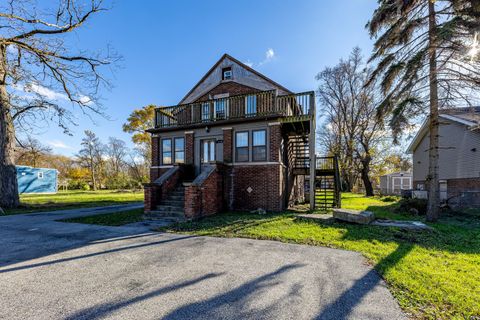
343	306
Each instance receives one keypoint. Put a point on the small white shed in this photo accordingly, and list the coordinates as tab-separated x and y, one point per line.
394	183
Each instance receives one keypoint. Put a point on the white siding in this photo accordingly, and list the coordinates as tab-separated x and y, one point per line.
456	158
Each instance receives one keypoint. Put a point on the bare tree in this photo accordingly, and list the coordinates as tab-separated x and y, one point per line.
31	151
116	151
351	129
427	59
39	75
91	156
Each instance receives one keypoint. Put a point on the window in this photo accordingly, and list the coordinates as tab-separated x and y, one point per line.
227	73
208	151
40	175
241	146
250	105
179	150
205	111
259	148
221	108
167	151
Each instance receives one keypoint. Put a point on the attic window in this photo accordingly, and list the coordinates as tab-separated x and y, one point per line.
227	73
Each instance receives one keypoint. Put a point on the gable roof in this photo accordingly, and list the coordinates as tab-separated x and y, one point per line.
189	97
470	117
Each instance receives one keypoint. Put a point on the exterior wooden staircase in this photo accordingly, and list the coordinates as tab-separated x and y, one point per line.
327	183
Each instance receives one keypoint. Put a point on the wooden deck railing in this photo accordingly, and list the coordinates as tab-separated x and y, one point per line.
261	104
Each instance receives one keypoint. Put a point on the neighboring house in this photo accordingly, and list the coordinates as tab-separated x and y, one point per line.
394	183
236	141
36	180
459	156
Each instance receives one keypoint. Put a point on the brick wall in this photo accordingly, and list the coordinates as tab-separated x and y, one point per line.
464	192
275	139
156	192
205	198
266	186
155	151
229	87
227	145
189	148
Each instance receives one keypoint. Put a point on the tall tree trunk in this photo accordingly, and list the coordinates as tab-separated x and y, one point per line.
365	178
94	180
8	175
433	187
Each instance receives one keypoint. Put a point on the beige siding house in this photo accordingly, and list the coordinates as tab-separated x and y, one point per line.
459	156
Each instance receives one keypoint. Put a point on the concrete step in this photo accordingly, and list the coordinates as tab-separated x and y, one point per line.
154	215
173	213
167	208
170	202
176	194
176	197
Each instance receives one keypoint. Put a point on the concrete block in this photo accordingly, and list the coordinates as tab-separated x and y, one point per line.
354	216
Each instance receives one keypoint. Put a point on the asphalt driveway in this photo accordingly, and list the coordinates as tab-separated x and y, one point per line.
54	270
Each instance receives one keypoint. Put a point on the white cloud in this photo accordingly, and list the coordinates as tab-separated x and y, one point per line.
59	144
270	54
45	92
85	100
249	63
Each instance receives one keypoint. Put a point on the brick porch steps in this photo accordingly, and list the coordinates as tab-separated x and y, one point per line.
173	205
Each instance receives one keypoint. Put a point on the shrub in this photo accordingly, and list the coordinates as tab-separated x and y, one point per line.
419	205
85	187
389	199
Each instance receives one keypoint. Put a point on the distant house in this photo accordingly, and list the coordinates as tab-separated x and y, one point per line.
394	183
459	156
36	180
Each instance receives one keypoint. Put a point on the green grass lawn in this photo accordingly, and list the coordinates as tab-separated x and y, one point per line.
111	219
75	199
433	274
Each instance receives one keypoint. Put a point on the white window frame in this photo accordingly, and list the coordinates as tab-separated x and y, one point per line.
227	74
171	151
246	105
40	175
175	149
226	102
204	105
262	146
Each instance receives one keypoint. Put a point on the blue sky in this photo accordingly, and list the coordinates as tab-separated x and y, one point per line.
167	46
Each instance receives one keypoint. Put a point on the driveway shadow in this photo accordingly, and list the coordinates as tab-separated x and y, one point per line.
100	311
94	254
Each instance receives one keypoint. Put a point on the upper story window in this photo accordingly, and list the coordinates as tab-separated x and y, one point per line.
179	150
221	108
241	146
227	73
259	145
167	151
251	105
205	111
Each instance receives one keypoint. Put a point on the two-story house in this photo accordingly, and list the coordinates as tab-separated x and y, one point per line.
237	141
459	156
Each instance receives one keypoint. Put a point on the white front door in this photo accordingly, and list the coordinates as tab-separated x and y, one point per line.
208	151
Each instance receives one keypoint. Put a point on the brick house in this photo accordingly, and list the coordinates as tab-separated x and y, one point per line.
459	156
236	141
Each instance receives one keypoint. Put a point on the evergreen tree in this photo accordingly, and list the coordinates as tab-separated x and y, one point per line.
426	59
